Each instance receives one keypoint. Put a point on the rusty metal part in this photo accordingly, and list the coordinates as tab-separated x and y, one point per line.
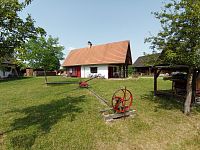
122	100
84	84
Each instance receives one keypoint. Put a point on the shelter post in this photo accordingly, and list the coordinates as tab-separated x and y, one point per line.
194	82
156	74
124	71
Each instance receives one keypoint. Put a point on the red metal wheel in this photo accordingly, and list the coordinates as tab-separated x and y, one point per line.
122	100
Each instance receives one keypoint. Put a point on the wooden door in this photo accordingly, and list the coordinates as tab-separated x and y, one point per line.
78	68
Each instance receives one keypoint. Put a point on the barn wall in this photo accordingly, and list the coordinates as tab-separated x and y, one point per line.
101	69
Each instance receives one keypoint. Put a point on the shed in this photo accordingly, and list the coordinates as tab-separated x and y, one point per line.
144	64
179	81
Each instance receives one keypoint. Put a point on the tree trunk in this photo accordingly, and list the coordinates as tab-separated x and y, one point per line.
16	73
188	100
45	75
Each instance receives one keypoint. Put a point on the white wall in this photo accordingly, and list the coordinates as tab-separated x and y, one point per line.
6	74
101	69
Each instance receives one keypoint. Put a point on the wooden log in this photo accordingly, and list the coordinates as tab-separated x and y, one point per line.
111	117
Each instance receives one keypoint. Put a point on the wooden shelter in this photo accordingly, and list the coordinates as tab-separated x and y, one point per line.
180	81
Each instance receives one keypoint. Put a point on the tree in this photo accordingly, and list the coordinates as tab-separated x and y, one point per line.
43	53
14	30
179	38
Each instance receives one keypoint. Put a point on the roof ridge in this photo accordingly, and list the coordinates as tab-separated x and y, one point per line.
101	45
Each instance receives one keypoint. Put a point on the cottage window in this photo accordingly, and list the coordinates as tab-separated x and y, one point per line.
93	69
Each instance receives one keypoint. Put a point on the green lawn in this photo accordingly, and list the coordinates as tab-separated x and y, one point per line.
36	116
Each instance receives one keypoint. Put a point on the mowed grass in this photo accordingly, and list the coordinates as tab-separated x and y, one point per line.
36	116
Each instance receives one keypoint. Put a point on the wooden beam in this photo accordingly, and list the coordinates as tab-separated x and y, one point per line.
120	71
155	82
149	70
126	71
123	71
156	74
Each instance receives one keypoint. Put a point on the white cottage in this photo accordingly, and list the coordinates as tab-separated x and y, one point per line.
8	69
108	60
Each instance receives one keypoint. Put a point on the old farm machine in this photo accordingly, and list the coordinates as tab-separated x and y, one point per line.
122	100
120	105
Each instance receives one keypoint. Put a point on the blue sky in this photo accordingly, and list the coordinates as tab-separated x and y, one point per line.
75	22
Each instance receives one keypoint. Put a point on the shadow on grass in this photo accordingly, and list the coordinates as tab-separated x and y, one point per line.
164	101
167	100
43	117
13	79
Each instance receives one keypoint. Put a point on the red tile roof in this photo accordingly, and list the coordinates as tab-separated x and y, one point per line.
111	53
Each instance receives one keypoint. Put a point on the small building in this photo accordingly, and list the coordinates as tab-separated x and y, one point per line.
144	64
8	69
107	60
178	76
29	72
